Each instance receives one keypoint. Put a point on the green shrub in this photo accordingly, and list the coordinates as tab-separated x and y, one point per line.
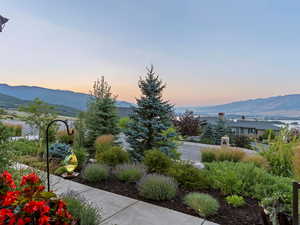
245	179
59	150
222	154
123	122
112	157
62	136
157	187
15	130
235	200
4	133
188	176
208	155
157	161
241	141
95	173
81	209
81	155
104	143
280	154
257	160
130	172
204	204
24	147
60	170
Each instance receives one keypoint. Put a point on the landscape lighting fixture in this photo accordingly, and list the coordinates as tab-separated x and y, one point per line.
3	21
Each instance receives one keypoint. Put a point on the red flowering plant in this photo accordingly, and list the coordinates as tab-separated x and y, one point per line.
29	204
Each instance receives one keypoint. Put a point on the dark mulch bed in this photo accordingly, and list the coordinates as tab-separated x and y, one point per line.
227	215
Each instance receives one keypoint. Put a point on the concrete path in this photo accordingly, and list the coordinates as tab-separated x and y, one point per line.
120	210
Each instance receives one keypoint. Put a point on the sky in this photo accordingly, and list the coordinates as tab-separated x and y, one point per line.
208	52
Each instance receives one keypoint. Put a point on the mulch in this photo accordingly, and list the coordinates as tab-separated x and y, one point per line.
249	214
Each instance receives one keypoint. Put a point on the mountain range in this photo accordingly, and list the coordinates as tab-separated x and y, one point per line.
12	103
281	106
57	97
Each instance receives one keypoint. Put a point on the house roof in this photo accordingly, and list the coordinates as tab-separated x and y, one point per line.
259	125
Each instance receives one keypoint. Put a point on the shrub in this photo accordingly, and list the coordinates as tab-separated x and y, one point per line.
230	154
4	133
130	172
208	155
157	161
188	176
29	202
104	140
222	154
123	122
81	155
157	187
59	150
280	155
60	170
95	172
62	136
296	164
257	160
235	200
81	209
204	204
241	141
188	124
245	179
24	147
112	157
14	129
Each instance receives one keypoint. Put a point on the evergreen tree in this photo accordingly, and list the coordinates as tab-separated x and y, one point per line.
209	135
101	116
149	127
221	130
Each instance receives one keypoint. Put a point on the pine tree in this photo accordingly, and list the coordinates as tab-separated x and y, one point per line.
151	120
101	116
221	130
209	135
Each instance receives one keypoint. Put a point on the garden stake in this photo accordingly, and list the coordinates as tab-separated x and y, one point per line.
47	143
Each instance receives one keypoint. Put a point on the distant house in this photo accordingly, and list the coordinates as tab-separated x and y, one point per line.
251	128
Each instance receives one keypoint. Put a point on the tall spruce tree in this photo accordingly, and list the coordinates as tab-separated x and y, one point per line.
151	120
101	116
209	134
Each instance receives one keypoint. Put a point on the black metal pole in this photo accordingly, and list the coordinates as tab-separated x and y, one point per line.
47	146
296	187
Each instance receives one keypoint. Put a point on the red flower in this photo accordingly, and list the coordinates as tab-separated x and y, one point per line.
43	220
10	198
36	206
6	214
7	178
30	179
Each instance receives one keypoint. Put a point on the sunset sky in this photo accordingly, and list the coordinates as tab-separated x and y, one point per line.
208	51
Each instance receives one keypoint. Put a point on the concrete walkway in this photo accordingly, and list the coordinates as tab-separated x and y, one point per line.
120	210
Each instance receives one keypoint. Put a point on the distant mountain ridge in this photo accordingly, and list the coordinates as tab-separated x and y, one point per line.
58	97
285	105
13	103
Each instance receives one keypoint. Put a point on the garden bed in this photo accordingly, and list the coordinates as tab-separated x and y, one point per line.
249	214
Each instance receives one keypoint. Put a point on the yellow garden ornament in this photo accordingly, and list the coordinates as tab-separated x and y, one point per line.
70	163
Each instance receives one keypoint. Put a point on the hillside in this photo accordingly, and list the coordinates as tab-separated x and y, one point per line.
12	103
287	105
51	96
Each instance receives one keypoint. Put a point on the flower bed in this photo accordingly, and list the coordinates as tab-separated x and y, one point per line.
249	214
28	203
